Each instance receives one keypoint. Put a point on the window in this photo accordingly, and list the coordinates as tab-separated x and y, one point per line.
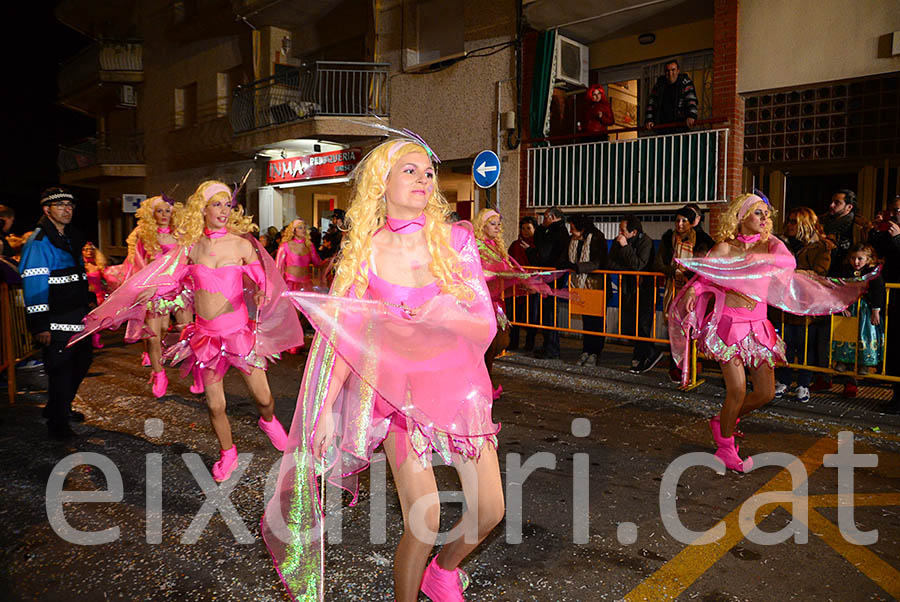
186	106
441	29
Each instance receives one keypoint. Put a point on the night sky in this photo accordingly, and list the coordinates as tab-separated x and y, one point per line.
33	123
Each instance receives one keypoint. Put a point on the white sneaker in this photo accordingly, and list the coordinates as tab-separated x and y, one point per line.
802	394
781	389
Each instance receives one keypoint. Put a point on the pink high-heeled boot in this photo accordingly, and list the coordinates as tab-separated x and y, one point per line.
275	432
95	341
197	385
160	383
444	586
228	461
728	455
145	359
715	427
498	392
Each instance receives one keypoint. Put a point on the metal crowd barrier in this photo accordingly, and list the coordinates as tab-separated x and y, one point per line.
16	342
594	302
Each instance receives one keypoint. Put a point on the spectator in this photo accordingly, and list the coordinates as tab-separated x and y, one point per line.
551	243
453	217
587	252
632	251
264	240
331	240
704	239
56	299
864	350
843	227
518	250
806	240
673	100
10	244
596	114
678	243
315	237
885	239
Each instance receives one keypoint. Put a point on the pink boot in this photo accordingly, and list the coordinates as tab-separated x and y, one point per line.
498	392
145	359
95	341
160	383
275	432
228	461
444	586
728	455
714	426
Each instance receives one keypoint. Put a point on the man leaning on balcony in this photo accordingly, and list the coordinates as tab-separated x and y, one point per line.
673	102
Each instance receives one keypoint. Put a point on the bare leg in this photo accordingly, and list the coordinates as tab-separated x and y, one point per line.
735	394
215	404
421	519
763	379
500	342
154	345
259	389
485	507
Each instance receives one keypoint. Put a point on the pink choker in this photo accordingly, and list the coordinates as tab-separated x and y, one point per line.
166	230
215	233
749	240
406	226
299	240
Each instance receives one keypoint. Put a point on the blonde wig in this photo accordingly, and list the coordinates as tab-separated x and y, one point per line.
480	220
730	224
191	221
367	214
146	227
808	225
288	234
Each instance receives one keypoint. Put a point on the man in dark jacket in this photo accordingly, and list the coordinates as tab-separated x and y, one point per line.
844	227
885	239
673	100
332	239
632	251
551	246
56	301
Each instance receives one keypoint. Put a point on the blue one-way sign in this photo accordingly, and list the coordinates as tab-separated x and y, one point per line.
486	169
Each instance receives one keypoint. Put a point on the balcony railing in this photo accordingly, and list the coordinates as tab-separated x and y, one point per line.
94	62
112	149
322	88
657	170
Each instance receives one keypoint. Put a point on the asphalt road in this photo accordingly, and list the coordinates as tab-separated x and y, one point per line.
592	526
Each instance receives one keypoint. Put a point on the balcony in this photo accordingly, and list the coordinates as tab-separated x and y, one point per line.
306	101
97	159
654	171
92	80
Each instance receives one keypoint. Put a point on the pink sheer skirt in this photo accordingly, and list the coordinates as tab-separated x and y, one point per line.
216	345
743	333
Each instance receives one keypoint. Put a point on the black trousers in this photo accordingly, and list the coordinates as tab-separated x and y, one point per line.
66	367
644	317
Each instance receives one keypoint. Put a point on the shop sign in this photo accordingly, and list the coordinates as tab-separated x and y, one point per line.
334	164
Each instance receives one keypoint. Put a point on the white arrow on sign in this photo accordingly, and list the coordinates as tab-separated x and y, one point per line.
484	168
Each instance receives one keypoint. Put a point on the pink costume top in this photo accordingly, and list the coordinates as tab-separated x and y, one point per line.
768	278
95	281
423	374
230	339
285	257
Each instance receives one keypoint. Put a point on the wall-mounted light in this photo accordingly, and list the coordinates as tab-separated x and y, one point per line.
646	38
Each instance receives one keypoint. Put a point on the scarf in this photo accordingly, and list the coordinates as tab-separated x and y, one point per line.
579	280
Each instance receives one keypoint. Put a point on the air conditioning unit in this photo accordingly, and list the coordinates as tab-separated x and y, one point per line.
571	62
127	96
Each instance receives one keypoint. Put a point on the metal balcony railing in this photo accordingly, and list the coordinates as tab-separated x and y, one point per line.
656	170
111	149
321	88
105	56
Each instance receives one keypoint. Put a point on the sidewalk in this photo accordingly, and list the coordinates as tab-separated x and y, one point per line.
612	377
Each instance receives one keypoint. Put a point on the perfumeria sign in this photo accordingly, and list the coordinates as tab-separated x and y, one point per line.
333	164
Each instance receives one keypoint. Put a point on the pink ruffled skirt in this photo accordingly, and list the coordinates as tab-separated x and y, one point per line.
743	333
216	345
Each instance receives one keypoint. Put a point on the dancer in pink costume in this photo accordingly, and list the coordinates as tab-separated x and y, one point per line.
154	236
231	278
398	359
505	279
296	255
744	272
95	264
